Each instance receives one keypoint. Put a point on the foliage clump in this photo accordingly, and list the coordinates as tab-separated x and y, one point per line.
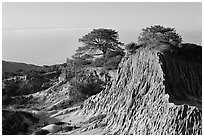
87	83
160	34
13	122
109	61
132	47
101	40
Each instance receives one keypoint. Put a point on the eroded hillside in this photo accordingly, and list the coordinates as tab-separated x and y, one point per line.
154	92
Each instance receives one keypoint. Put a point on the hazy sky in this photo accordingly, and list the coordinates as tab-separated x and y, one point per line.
48	33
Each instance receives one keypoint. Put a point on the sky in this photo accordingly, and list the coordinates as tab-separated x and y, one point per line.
46	33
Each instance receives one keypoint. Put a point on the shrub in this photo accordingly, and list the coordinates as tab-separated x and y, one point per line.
99	62
160	34
110	60
88	84
112	63
132	47
111	54
13	123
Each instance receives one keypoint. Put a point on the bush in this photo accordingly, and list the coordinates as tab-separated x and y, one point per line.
112	63
111	54
132	47
99	62
88	84
110	60
13	123
160	34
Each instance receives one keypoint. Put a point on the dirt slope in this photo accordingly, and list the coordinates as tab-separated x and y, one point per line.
56	97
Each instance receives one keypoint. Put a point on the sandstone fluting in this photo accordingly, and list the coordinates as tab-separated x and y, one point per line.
154	92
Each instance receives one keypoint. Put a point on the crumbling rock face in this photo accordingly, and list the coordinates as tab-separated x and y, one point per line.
152	93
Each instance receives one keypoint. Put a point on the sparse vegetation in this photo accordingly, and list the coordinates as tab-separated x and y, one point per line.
33	81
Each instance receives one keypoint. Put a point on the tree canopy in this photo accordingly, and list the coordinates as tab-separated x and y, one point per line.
101	40
160	34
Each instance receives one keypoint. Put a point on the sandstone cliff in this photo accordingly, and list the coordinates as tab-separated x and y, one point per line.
154	92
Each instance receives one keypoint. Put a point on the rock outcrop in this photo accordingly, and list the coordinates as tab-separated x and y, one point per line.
154	92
